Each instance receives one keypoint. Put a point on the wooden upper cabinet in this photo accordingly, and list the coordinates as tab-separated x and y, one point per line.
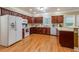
60	19
54	19
0	11
38	19
30	19
5	11
57	19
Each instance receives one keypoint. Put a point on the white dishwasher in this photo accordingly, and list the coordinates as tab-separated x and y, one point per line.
53	30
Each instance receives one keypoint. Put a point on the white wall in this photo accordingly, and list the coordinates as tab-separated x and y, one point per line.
58	13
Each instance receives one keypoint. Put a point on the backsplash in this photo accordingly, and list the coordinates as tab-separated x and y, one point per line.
47	25
35	25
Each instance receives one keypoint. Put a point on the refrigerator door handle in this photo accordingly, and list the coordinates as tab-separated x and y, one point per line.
15	26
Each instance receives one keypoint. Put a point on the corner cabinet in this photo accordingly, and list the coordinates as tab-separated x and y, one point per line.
57	19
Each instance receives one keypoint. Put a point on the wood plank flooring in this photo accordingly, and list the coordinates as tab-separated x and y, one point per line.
37	43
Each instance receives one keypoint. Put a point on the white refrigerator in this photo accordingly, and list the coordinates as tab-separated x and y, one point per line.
11	30
18	28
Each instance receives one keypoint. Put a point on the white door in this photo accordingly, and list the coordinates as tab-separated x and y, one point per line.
12	30
18	28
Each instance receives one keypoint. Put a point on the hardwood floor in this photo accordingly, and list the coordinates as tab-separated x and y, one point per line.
37	43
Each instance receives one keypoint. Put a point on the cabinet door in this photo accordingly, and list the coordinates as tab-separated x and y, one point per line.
60	19
66	39
0	11
54	19
38	19
47	31
77	22
3	11
30	19
35	19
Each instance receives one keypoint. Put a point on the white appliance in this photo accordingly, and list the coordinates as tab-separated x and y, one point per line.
53	30
11	30
27	31
18	28
26	28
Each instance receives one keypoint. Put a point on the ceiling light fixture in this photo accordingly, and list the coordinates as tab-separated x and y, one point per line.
58	9
30	9
34	12
42	8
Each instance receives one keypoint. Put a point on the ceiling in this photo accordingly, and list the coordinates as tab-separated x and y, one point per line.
49	9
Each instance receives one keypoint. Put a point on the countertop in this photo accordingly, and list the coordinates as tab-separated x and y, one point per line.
66	28
40	27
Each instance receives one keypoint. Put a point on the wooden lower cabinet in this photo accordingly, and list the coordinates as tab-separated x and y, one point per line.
32	30
39	30
66	39
48	31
